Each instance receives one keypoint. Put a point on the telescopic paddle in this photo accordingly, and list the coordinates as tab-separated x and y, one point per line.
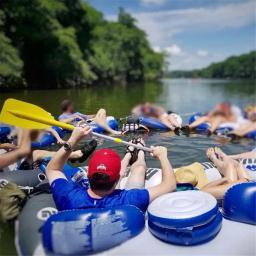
30	116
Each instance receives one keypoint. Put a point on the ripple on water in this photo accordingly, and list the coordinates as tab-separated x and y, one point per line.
183	150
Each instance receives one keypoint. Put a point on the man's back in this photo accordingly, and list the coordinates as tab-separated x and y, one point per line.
68	195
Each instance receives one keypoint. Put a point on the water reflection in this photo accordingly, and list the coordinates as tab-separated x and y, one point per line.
181	95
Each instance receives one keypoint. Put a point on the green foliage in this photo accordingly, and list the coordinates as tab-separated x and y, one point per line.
10	63
241	67
67	43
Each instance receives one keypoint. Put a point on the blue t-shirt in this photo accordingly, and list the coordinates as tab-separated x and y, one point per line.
69	195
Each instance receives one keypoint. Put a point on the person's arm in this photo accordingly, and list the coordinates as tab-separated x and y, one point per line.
168	183
8	146
56	135
136	110
55	167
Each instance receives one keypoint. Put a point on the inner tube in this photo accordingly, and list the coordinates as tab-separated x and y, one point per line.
112	123
184	218
4	132
154	124
239	203
70	172
82	232
28	225
223	129
30	178
47	139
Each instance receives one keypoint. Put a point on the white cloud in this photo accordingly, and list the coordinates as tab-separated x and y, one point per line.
202	53
193	61
156	2
174	50
157	49
161	26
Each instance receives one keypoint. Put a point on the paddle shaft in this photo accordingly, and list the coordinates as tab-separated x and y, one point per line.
118	140
49	121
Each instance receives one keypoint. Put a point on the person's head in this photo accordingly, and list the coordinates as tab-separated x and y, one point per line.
104	170
250	111
225	108
146	108
67	106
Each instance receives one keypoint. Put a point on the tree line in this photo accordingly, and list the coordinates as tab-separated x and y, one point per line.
68	43
235	67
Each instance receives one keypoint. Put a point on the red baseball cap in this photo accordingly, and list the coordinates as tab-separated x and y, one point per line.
105	161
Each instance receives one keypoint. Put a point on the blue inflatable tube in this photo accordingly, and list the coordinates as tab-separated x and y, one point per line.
4	132
48	139
190	235
112	123
239	203
68	170
222	130
82	232
153	123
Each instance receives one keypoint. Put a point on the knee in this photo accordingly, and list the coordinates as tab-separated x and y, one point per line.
102	110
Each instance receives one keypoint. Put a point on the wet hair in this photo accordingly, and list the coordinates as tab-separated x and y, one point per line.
65	104
100	181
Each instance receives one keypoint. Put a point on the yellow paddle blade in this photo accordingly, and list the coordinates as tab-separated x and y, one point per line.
26	115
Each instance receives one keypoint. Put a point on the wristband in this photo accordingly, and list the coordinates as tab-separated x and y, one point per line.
67	147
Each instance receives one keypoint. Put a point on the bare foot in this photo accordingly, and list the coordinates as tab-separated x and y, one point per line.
220	153
211	153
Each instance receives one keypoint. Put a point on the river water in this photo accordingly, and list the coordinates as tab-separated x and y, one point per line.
183	96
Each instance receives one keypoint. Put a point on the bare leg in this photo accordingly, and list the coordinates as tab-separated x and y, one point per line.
41	154
225	167
198	121
138	171
15	155
240	170
219	187
251	154
101	120
241	132
215	122
173	121
165	120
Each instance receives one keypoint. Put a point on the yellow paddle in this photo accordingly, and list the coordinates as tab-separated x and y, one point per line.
29	116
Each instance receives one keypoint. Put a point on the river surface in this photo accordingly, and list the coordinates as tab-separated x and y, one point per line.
183	96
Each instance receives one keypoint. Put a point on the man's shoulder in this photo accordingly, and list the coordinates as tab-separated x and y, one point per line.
64	116
129	192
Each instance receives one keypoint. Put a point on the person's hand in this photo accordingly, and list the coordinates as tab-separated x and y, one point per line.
159	152
61	141
79	133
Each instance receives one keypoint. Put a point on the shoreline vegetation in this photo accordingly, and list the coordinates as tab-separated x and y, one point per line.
68	43
234	67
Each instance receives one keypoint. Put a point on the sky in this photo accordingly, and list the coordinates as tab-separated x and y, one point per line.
194	33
